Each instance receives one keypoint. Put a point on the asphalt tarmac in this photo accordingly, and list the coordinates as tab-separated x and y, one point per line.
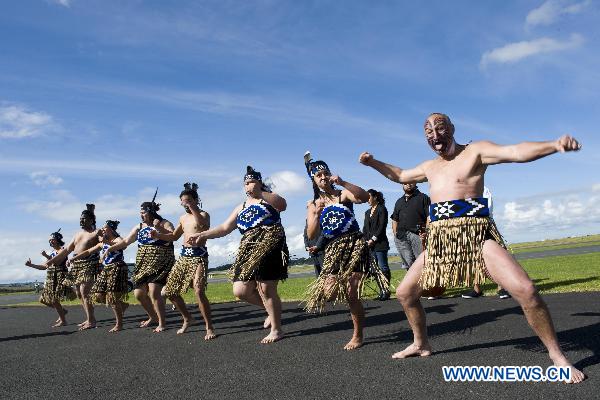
45	363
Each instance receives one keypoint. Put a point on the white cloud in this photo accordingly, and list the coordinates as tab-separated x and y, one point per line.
63	206
15	249
551	10
42	178
17	122
288	182
514	52
550	214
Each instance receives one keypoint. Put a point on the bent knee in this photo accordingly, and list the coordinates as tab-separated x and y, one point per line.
240	292
407	294
526	292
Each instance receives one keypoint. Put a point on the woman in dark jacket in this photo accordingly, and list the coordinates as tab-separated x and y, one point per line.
374	231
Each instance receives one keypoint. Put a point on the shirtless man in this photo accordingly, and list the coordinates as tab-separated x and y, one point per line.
456	179
83	272
191	267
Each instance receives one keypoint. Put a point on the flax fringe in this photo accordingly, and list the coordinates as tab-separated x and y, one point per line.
153	263
344	255
54	287
112	283
82	271
256	243
183	274
454	254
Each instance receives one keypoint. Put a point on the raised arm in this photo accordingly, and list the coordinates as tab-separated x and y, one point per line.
88	252
201	217
393	173
275	200
125	242
313	211
164	226
351	192
168	237
63	254
492	153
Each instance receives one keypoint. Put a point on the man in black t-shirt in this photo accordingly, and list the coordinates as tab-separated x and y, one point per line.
408	219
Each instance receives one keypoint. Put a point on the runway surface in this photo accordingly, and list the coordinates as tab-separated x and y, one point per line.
41	362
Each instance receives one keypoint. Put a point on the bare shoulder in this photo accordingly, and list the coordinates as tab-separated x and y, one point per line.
479	146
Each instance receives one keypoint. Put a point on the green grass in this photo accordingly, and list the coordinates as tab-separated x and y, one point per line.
12	292
573	273
555	244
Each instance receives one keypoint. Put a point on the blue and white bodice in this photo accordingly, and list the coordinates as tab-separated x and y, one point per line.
112	257
256	215
338	219
193	252
143	237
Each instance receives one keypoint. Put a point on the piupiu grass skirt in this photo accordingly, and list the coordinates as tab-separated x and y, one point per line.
454	255
55	288
83	271
343	256
263	255
112	283
183	274
153	264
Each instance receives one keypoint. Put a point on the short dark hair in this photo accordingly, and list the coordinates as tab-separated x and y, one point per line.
190	189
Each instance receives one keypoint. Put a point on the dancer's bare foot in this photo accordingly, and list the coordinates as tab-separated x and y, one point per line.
272	337
577	376
66	312
210	334
87	325
81	324
267	322
159	329
184	327
354	343
59	323
147	322
413	351
116	328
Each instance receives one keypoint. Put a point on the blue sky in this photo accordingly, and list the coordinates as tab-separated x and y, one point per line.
101	101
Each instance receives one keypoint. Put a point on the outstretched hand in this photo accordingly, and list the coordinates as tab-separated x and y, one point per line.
28	262
365	158
194	239
567	143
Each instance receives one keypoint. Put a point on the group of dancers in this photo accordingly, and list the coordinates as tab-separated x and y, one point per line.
463	247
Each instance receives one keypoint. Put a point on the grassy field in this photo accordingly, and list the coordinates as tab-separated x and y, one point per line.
555	244
574	273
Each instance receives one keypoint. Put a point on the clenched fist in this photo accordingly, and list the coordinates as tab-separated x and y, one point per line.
567	143
365	158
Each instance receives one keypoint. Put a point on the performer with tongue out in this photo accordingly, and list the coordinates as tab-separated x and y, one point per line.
463	243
